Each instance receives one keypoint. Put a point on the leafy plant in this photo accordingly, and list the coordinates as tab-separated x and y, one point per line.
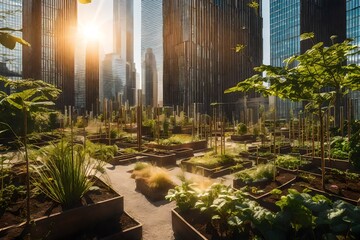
211	160
289	161
66	173
184	195
262	171
354	145
101	151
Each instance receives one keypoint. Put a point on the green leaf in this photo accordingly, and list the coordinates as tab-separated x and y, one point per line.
85	1
306	36
9	41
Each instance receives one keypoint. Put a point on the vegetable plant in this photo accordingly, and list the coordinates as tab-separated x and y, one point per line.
262	171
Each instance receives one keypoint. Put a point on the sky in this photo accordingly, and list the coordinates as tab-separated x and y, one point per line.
99	14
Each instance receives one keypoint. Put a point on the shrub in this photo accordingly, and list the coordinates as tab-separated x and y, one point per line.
241	129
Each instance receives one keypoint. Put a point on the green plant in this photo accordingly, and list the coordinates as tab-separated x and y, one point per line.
129	151
290	162
211	160
241	129
140	166
101	151
262	171
184	195
66	173
354	145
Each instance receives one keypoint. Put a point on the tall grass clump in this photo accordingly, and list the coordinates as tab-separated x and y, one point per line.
66	173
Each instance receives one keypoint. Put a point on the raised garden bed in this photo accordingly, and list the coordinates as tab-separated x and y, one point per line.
196	146
123	159
242	138
52	222
159	158
153	194
214	172
258	189
184	153
184	229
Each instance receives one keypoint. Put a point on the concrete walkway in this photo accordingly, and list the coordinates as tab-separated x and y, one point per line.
155	217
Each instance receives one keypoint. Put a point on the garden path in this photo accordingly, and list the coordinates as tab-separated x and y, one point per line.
155	217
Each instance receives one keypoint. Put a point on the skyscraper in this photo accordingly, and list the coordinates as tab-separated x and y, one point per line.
288	20
11	60
200	61
92	75
124	43
50	28
114	76
150	79
353	31
152	37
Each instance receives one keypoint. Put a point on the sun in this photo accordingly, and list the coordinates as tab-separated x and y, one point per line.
90	32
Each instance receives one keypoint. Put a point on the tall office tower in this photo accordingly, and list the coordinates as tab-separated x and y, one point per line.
200	61
289	19
124	44
113	77
11	60
87	76
152	37
353	31
50	28
150	79
80	68
92	74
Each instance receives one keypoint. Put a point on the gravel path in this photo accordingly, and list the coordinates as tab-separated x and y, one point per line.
155	217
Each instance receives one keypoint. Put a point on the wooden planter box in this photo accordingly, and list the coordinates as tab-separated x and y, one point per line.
123	159
196	146
211	172
183	229
237	183
242	138
184	153
332	163
159	159
176	130
150	193
74	221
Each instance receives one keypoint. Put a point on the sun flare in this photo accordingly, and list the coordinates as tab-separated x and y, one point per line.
90	32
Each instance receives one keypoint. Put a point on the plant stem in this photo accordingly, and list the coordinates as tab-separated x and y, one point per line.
27	169
321	135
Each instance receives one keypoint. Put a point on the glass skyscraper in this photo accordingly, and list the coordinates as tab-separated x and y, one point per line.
152	38
50	28
200	60
353	31
289	19
124	44
11	60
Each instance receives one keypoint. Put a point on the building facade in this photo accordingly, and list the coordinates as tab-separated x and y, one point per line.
11	60
353	32
152	37
50	28
200	60
114	76
92	77
150	79
124	44
288	20
87	76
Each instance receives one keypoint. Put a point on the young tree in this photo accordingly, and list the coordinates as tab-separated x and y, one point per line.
319	77
27	96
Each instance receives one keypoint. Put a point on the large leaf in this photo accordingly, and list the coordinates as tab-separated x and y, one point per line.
9	41
85	1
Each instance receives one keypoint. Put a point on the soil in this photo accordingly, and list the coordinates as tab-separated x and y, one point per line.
41	206
280	179
335	186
